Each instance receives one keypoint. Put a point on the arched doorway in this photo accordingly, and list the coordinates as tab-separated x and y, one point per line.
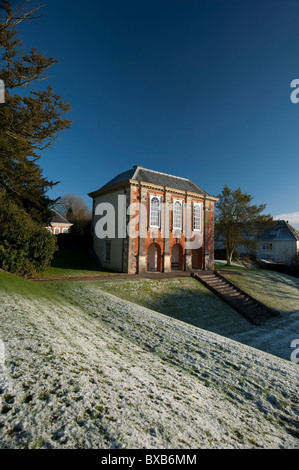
154	257
176	257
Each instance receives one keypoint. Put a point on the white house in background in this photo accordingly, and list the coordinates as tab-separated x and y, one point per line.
59	224
279	244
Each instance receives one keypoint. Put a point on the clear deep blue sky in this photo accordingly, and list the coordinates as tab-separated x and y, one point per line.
198	89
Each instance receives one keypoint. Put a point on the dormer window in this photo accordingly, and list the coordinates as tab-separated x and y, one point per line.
155	211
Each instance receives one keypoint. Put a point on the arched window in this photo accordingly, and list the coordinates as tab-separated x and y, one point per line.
57	231
177	215
155	211
197	217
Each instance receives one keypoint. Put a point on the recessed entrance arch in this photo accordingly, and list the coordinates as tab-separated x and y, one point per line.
154	257
176	257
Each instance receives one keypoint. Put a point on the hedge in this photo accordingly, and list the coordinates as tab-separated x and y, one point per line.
25	247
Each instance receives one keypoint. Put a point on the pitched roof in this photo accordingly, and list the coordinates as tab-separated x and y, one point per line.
294	231
126	175
141	174
58	218
280	231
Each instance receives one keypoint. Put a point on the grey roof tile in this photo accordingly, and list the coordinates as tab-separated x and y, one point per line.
279	231
126	175
162	179
154	177
294	231
58	218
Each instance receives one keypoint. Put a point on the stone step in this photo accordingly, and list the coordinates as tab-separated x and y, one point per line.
243	303
229	290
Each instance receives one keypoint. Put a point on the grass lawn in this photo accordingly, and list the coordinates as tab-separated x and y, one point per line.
276	290
187	300
72	264
184	299
80	368
224	267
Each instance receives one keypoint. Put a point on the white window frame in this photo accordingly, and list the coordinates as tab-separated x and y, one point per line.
174	225
106	251
197	204
152	196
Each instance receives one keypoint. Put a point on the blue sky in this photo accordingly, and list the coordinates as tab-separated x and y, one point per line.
198	89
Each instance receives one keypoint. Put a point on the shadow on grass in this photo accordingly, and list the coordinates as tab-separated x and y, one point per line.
188	301
78	261
182	299
70	263
270	287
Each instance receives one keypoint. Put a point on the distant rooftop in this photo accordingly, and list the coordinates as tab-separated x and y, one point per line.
294	231
141	174
281	231
58	218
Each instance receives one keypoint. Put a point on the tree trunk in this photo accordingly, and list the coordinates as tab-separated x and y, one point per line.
229	256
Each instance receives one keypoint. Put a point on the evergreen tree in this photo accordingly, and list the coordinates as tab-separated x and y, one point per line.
29	122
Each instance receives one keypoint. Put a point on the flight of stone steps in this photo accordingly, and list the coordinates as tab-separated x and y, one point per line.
250	308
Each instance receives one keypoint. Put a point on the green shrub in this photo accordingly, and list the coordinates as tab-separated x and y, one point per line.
25	247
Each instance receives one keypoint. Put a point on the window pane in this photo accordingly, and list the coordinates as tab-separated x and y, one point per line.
155	212
197	217
177	215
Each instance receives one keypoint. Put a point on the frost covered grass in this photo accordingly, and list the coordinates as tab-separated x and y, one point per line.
182	298
187	300
83	368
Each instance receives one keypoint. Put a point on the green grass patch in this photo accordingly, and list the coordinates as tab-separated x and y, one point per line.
72	264
278	291
230	268
13	284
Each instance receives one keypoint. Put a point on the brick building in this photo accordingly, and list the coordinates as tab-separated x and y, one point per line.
59	224
166	210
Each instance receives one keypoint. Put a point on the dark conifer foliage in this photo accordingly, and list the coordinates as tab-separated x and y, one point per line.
31	118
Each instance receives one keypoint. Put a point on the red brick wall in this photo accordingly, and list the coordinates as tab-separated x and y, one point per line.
61	228
134	243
